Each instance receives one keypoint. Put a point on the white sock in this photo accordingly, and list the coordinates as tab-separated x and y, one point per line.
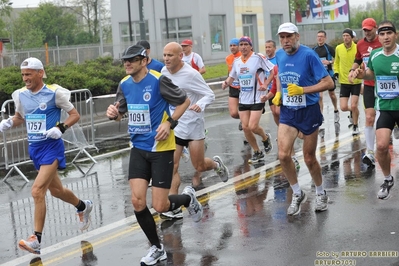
369	133
389	178
296	189
319	190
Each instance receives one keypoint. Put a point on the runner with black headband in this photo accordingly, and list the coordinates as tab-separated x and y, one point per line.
250	69
382	67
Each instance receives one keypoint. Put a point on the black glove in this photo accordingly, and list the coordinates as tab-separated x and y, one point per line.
336	75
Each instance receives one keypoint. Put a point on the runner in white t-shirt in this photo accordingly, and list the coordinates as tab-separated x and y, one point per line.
191	58
250	69
190	131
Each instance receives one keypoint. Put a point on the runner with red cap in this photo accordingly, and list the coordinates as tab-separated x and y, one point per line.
364	48
191	58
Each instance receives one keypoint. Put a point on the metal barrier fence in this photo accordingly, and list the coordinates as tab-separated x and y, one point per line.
78	139
61	221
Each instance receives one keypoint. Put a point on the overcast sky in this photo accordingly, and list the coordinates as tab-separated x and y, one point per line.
33	3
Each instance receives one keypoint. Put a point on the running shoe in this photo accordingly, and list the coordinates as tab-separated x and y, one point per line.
296	202
385	189
268	143
355	130
195	208
175	214
240	126
32	244
84	216
350	118
336	117
154	255
321	202
222	170
369	159
185	155
258	156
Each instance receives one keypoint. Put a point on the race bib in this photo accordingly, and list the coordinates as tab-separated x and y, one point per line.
36	126
387	87
293	102
246	82
139	120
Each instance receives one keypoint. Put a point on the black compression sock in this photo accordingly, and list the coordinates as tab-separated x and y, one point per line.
81	206
147	224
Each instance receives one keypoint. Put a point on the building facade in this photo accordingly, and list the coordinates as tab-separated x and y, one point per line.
210	24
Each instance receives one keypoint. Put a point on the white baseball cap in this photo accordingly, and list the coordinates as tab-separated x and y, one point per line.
287	27
33	63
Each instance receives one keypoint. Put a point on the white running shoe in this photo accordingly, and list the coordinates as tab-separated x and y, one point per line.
84	216
195	208
154	255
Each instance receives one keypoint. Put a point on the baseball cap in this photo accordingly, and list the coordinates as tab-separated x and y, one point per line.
287	27
144	43
134	50
369	24
33	63
187	42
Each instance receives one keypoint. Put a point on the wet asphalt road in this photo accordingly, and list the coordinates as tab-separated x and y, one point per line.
245	221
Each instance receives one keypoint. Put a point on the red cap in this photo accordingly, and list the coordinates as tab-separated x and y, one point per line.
369	24
187	42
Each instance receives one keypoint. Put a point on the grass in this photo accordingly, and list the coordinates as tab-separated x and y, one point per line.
215	71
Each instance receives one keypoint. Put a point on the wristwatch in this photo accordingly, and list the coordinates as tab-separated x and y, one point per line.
173	123
63	127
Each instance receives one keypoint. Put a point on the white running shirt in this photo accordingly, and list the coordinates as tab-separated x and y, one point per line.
251	74
191	124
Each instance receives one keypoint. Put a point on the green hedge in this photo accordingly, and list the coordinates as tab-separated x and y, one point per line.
101	76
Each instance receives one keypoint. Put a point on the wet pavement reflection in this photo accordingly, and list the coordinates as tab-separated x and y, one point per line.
244	222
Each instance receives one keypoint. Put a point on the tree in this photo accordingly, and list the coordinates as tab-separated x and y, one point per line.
5	8
45	24
374	10
91	12
298	4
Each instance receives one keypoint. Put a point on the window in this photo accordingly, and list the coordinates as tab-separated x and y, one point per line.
218	35
124	31
250	29
275	22
179	29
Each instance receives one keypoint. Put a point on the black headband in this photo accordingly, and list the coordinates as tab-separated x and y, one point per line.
386	28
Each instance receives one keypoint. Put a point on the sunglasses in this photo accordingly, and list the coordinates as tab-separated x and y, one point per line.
132	60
